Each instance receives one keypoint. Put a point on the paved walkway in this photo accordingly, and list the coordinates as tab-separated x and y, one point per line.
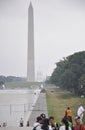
40	107
16	128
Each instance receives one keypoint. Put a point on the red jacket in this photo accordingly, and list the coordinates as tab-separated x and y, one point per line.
79	127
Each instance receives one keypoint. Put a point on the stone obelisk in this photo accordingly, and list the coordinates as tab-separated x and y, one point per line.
30	50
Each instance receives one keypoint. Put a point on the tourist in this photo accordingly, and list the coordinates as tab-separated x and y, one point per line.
21	122
68	114
65	125
37	124
53	124
27	123
80	111
46	125
43	116
78	125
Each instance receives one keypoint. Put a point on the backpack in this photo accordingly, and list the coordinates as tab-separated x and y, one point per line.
35	127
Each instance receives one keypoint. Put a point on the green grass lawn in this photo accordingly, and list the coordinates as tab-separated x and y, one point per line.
57	103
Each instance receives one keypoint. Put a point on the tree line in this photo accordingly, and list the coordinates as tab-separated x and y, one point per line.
69	73
4	79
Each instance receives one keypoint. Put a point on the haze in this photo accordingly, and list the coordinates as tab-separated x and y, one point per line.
59	30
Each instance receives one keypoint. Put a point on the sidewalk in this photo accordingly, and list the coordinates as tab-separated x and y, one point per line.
16	128
40	107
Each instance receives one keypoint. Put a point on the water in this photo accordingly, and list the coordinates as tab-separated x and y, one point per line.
15	104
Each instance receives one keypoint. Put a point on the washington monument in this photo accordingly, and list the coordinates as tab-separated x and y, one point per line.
30	49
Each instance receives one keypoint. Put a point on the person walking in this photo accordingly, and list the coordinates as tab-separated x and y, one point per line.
68	114
80	111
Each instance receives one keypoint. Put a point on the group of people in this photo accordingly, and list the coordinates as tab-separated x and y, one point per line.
43	123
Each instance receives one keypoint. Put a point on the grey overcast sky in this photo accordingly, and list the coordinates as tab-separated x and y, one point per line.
59	30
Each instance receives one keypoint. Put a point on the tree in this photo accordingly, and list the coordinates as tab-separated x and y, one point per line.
70	72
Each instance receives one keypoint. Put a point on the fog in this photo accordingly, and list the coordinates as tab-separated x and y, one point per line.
59	29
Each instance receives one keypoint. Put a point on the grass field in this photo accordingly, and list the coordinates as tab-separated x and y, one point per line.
57	103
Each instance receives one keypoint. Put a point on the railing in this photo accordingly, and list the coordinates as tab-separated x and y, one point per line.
15	108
